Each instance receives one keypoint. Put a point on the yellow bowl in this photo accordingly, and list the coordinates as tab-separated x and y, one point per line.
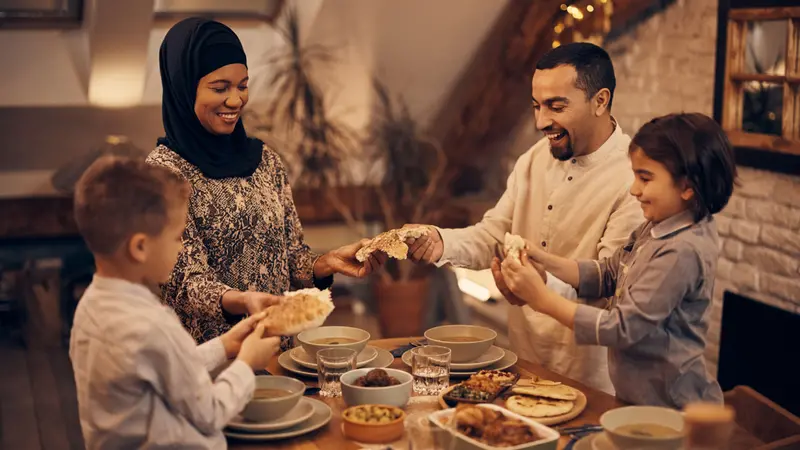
373	433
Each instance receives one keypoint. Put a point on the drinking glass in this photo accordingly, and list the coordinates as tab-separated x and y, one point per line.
430	366
424	435
331	364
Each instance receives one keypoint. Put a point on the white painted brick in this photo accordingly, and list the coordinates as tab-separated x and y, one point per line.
733	249
745	231
745	277
723	225
781	239
784	288
724	269
736	207
771	261
756	184
787	191
782	215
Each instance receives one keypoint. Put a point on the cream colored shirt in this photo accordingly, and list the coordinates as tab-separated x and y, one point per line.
580	209
142	381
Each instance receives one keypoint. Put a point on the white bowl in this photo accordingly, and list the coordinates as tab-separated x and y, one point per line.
549	439
462	352
628	415
307	338
396	395
269	409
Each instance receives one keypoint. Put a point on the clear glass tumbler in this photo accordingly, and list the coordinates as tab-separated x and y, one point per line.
424	435
331	364
430	366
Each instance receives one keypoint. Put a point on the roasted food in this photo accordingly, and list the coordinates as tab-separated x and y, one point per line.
376	378
492	427
482	387
496	376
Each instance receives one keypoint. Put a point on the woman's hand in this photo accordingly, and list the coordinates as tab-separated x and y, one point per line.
502	286
523	279
232	340
248	302
343	260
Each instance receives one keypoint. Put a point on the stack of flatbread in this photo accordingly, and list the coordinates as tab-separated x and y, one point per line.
514	246
538	398
392	242
298	311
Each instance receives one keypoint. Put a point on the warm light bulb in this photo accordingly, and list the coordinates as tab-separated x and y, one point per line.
556	44
590	8
559	28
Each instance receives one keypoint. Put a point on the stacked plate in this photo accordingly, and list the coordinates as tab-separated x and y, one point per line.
495	358
298	361
307	416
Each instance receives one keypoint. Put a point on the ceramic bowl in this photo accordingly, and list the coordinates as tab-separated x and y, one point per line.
269	409
373	433
462	351
396	395
309	339
629	415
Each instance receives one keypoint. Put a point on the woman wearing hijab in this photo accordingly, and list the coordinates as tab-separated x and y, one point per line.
243	243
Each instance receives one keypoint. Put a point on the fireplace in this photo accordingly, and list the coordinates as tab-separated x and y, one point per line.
760	348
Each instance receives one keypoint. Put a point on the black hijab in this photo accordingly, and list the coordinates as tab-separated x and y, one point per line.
192	49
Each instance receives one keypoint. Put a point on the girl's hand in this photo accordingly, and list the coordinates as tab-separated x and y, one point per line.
232	340
523	279
502	286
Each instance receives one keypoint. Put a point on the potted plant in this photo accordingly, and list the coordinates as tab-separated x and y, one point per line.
409	193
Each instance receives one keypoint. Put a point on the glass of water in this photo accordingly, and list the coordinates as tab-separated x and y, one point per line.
430	366
424	435
331	364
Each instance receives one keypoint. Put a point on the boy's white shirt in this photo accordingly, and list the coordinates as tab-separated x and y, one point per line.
141	379
592	214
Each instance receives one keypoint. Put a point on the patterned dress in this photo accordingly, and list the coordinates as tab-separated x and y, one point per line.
241	233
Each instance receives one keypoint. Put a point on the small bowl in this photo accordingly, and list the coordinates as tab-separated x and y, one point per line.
307	338
612	420
373	433
396	395
462	352
269	409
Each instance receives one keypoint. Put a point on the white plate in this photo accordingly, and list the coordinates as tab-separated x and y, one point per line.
509	359
491	356
596	441
321	416
383	360
301	412
300	356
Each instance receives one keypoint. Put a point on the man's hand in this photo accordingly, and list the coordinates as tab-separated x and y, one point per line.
523	280
427	248
257	350
343	260
501	284
232	340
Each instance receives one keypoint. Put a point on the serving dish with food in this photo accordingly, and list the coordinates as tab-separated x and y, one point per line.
373	424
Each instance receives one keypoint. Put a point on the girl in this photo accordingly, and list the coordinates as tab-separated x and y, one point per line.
659	285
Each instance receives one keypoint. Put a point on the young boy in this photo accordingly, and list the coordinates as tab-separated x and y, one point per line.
142	381
660	283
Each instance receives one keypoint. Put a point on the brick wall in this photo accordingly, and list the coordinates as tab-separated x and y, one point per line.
666	64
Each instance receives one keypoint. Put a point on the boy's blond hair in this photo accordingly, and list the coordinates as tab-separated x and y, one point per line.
119	197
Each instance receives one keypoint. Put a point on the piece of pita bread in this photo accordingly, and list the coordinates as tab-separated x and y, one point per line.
538	407
298	311
537	382
557	392
392	242
514	245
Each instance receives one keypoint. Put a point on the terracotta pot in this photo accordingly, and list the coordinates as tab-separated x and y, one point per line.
401	306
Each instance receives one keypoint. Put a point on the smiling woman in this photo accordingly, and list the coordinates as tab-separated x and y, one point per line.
243	244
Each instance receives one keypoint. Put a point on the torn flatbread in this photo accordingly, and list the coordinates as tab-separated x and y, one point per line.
298	311
536	381
392	242
538	407
514	245
557	392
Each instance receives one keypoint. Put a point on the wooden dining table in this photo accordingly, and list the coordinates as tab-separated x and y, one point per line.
331	437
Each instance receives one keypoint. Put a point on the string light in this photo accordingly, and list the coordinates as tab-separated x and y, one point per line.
590	8
577	26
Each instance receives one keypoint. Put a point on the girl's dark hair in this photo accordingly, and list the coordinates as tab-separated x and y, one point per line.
694	148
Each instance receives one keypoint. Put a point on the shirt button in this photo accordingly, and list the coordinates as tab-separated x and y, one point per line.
574	161
544	244
569	178
549	206
625	270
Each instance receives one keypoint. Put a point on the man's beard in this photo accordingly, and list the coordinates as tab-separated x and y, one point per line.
563	153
